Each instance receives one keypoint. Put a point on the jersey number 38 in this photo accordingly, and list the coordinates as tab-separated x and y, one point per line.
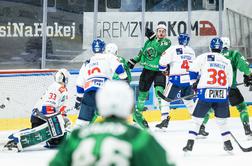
217	77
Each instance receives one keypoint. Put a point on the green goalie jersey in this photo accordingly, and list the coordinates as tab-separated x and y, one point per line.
150	54
126	68
112	142
238	62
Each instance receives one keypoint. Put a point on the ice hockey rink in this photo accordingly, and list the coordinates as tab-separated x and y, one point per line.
207	152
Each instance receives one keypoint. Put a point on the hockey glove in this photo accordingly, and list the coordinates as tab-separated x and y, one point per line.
131	63
77	103
247	80
150	34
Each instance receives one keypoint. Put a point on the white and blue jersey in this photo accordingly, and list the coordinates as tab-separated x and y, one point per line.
214	72
97	70
179	58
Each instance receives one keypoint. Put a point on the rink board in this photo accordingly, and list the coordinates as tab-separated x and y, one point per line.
151	116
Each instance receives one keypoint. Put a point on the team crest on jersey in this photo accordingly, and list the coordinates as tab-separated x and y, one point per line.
150	53
179	51
210	58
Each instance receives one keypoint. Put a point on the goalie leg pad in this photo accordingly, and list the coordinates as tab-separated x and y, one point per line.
54	128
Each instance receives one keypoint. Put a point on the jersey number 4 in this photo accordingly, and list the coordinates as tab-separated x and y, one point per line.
185	65
112	151
217	77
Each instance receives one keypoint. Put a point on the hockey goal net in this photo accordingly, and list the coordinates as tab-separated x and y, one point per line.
20	90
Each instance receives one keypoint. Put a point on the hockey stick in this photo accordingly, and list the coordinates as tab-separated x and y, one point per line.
172	100
242	148
241	83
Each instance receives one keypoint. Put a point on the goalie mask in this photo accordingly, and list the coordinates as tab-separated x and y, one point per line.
112	49
62	76
115	98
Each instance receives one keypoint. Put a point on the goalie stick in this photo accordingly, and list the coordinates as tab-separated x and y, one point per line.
242	148
172	100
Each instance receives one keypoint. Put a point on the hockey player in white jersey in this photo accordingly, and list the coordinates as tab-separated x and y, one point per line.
214	72
93	73
54	102
179	58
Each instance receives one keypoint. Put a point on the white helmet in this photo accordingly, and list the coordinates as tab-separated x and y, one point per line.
226	42
161	25
115	98
111	48
62	76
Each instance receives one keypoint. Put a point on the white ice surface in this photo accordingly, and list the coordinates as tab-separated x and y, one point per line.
206	152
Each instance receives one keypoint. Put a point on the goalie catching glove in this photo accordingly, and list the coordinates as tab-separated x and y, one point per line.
247	80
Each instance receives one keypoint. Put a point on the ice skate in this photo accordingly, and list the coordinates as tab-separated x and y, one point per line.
164	123
11	146
228	146
189	145
202	131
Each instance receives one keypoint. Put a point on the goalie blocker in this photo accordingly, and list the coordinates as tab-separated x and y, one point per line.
51	129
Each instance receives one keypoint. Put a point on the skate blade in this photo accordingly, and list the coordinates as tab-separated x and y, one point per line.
249	137
9	150
187	153
230	152
201	137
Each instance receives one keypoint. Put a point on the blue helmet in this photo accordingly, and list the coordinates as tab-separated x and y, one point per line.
98	46
183	39
216	43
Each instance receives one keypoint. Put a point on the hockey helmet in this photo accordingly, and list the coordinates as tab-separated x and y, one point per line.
226	43
183	39
98	46
111	48
115	98
62	76
216	44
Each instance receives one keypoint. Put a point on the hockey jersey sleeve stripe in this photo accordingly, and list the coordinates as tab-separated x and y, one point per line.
162	68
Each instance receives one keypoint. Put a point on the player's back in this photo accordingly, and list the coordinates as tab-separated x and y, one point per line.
113	142
97	70
179	58
215	76
55	97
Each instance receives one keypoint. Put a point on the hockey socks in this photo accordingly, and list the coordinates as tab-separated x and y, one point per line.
242	108
141	100
160	89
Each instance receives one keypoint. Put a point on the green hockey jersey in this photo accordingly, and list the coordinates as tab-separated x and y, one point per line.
126	68
112	142
238	62
150	54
